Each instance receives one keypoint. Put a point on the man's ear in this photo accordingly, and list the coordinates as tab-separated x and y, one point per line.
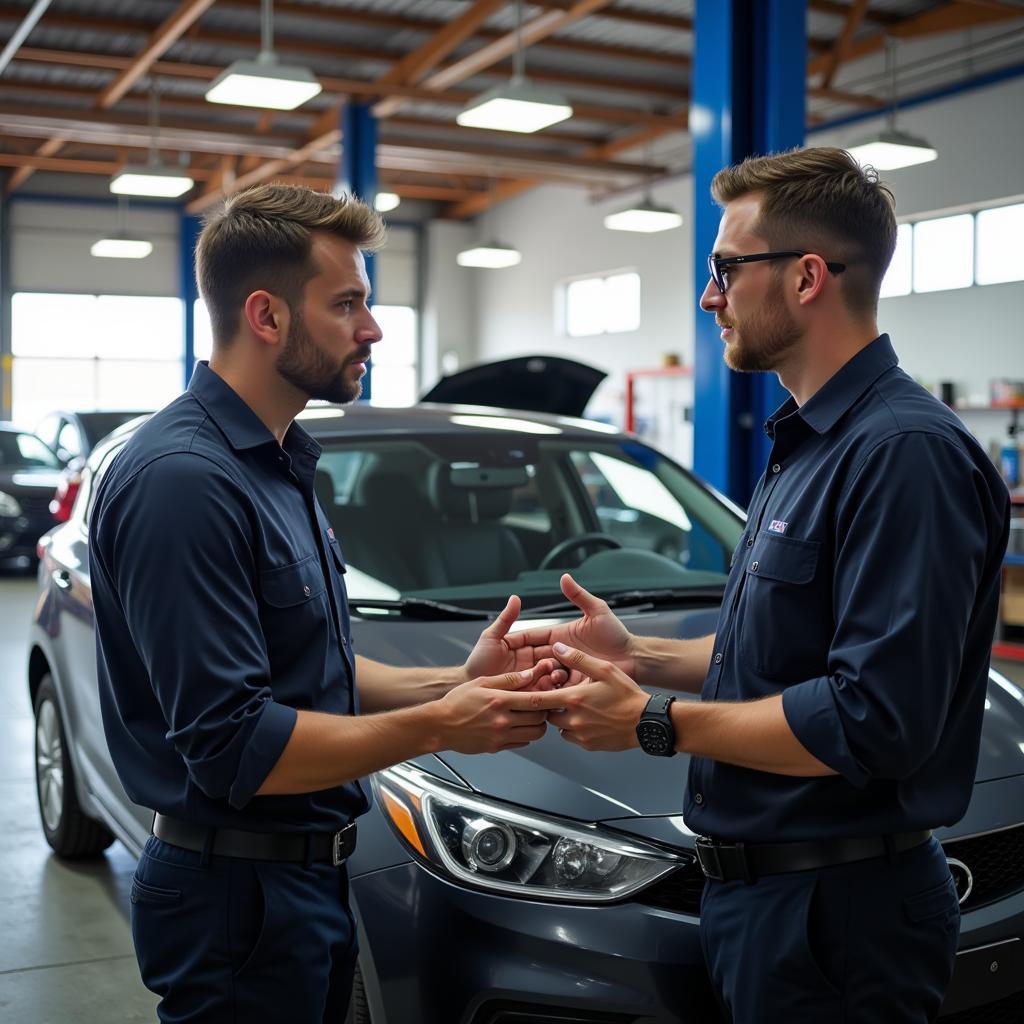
813	274
267	316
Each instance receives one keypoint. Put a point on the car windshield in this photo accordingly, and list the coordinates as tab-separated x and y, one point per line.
467	520
25	451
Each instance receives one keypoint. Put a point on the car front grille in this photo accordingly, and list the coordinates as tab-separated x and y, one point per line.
1007	1011
680	891
996	862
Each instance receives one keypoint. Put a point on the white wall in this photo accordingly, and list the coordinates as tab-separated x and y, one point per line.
967	336
561	235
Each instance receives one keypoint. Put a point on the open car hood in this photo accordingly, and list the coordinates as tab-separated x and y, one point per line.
532	383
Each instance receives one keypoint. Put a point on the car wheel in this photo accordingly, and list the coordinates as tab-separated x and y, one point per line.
68	830
358	1007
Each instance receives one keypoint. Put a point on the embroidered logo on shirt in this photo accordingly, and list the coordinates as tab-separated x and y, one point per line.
777	526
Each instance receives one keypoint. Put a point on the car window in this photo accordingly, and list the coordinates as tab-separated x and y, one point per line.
469	519
69	440
25	451
91	477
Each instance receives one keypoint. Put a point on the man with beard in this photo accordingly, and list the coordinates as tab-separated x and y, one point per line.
226	672
844	686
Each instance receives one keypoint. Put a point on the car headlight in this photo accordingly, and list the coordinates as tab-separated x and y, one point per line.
9	505
493	845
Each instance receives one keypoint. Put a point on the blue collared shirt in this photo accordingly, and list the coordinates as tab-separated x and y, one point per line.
865	590
220	610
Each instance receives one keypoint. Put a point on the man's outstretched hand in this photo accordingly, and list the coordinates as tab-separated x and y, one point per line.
497	652
598	633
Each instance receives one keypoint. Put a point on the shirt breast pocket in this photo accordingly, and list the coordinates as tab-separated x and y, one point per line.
784	620
292	608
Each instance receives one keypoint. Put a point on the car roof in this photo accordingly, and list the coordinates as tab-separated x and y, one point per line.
360	417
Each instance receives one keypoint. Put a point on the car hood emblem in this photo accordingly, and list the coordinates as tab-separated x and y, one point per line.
962	878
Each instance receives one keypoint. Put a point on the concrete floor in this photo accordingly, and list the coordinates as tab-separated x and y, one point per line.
65	943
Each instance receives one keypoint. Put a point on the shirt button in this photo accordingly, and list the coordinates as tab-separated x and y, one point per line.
306	591
753	567
698	798
750	542
776	468
718	658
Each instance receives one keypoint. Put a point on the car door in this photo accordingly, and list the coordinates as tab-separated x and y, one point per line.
75	650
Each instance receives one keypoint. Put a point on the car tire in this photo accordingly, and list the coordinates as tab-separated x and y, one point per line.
358	1007
69	831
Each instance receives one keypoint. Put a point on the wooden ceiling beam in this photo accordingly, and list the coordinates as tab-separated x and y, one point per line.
51	147
951	17
413	68
532	32
842	10
168	33
105	168
853	19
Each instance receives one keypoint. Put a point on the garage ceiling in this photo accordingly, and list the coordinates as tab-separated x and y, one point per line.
77	96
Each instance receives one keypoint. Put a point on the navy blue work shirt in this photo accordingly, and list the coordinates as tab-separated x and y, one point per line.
865	590
220	610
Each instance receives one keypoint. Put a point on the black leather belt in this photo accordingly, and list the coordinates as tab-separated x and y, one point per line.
732	862
314	847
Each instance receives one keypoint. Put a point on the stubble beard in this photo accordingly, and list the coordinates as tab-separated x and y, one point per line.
307	368
772	332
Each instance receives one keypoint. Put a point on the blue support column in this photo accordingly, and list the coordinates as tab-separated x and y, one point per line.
748	97
357	174
188	234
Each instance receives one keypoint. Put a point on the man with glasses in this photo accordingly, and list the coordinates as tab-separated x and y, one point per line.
843	689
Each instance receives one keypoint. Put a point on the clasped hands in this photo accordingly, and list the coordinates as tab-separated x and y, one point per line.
577	676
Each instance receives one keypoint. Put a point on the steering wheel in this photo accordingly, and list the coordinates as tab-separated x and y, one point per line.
583	540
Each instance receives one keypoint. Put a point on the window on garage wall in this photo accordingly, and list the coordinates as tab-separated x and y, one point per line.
599	304
85	352
395	359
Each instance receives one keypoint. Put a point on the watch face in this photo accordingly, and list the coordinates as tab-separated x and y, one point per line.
653	737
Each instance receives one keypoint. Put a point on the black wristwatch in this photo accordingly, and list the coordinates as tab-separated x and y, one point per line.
655	731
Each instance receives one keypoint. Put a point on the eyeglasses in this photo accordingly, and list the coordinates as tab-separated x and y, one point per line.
718	266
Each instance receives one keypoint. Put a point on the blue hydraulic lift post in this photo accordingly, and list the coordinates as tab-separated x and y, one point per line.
357	174
188	234
748	97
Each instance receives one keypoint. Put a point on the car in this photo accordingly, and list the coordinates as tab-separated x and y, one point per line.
72	435
29	472
535	885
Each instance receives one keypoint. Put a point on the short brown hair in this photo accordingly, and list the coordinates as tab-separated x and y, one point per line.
821	200
262	238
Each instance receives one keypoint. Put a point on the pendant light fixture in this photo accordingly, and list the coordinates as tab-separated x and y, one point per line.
519	105
120	245
645	216
263	82
154	179
490	255
891	148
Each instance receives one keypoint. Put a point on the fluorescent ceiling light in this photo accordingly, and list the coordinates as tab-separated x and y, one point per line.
517	106
385	201
892	149
492	256
644	216
264	83
122	248
151	180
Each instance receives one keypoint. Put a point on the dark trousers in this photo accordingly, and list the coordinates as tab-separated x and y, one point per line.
232	941
872	941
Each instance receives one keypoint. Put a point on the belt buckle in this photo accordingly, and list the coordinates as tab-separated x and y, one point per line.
710	864
341	848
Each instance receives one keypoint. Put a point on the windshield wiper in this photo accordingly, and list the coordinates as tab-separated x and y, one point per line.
420	608
639	599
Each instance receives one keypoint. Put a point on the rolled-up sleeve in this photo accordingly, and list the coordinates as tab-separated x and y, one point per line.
177	539
911	547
